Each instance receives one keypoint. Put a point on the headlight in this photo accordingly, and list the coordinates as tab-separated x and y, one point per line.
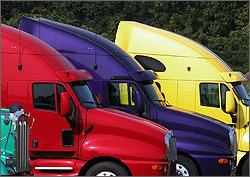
171	149
233	141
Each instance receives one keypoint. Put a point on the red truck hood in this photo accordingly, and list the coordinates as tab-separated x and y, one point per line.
123	136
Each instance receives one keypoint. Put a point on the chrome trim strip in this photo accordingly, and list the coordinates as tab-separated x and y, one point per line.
53	168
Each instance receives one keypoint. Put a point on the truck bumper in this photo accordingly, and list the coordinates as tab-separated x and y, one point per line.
72	167
211	167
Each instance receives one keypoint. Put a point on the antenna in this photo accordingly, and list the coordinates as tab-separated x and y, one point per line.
39	24
95	66
20	56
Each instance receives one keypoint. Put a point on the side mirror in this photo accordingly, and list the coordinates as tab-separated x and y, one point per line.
139	103
65	104
230	104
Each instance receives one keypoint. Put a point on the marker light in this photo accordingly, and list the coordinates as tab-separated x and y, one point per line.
157	167
223	161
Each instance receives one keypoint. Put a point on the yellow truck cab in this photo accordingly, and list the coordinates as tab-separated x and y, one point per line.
191	77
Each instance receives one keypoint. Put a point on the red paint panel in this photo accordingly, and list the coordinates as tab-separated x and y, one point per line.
17	93
4	94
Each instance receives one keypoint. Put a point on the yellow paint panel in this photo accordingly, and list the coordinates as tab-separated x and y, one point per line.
233	76
245	140
186	94
169	88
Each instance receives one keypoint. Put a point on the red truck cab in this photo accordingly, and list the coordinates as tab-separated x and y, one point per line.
72	134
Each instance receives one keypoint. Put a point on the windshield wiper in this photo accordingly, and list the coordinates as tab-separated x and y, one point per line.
246	125
93	102
164	101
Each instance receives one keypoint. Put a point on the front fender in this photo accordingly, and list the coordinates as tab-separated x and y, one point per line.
198	144
196	133
244	143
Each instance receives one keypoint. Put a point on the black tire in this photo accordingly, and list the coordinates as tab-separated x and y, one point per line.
245	168
186	167
107	169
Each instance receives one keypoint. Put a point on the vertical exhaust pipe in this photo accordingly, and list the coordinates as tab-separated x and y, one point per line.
21	150
21	138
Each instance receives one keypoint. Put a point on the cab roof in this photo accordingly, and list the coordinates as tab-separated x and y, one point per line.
181	57
86	50
161	42
37	60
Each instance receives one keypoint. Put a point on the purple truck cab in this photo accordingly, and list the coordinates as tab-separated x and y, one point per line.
205	146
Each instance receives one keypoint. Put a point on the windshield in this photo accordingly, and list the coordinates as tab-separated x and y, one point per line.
242	93
86	97
153	93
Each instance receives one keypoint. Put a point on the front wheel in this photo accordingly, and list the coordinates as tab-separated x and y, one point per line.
245	168
186	167
107	169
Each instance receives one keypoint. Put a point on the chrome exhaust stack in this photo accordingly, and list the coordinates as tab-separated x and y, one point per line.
20	122
21	150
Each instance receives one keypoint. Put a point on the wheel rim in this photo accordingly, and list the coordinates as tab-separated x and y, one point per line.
181	170
106	173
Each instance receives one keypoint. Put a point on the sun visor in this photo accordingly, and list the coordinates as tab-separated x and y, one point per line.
233	76
142	75
74	75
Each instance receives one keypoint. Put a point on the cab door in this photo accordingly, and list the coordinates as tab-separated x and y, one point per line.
51	132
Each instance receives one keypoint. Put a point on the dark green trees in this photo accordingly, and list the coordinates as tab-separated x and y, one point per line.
221	26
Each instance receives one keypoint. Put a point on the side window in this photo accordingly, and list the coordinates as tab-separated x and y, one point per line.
59	90
209	95
223	90
118	94
44	96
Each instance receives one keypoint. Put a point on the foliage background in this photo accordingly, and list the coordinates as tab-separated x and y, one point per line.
221	26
